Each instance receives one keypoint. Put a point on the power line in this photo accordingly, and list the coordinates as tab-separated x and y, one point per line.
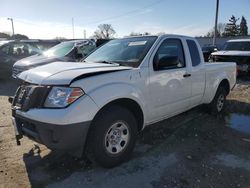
102	20
123	14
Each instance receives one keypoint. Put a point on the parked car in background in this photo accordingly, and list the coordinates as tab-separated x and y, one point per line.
69	51
235	51
207	50
99	106
14	50
43	44
4	42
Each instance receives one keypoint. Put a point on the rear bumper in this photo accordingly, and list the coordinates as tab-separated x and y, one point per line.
69	138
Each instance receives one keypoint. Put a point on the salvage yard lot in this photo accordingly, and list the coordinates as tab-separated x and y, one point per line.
193	149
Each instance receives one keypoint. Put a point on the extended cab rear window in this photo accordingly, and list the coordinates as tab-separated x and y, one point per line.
194	53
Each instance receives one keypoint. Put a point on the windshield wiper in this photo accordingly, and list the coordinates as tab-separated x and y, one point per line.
108	62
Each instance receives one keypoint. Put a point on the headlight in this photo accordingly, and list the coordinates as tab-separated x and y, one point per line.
60	97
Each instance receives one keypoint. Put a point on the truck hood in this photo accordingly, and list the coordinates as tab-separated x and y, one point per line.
231	53
62	73
37	60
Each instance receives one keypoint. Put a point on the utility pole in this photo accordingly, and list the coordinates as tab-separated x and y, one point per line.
84	34
11	19
216	22
73	28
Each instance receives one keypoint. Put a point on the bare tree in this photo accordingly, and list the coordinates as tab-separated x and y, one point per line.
220	30
59	38
161	33
135	34
139	34
104	31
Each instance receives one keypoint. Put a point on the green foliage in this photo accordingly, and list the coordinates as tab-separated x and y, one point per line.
243	27
232	29
4	35
16	36
19	37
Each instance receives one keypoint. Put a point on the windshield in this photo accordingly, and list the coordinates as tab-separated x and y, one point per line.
59	50
239	46
126	52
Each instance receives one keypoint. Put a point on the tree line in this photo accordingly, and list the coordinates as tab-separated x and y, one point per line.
230	29
15	36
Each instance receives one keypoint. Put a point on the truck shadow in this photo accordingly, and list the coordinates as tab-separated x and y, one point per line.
55	166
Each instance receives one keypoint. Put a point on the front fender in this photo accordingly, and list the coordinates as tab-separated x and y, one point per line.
110	92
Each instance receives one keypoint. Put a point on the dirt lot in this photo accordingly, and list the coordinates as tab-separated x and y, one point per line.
193	149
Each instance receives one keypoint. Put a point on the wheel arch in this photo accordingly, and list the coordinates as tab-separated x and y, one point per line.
129	104
225	84
211	90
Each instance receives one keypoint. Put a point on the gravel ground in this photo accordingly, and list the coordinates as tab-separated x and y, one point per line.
193	149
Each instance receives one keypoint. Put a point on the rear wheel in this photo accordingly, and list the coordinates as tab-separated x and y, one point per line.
218	103
112	137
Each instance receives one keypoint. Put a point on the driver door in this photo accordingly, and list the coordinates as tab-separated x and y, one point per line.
170	86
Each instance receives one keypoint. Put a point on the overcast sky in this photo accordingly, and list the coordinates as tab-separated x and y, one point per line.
51	18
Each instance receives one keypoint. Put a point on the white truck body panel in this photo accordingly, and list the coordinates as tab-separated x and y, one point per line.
215	74
160	94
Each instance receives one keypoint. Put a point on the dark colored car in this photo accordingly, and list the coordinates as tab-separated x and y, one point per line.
69	51
207	50
12	51
235	51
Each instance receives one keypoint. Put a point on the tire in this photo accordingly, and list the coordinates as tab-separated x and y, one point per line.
218	103
112	137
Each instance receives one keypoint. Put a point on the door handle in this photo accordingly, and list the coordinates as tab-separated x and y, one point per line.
186	75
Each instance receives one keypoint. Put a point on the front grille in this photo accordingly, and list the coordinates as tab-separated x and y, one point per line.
22	93
30	96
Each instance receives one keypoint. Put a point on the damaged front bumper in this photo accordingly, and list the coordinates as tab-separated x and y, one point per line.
59	129
70	138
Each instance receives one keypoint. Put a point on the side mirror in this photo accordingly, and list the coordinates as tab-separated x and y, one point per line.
166	62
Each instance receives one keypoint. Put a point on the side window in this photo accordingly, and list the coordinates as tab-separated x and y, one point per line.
86	50
33	49
5	49
19	49
194	53
169	55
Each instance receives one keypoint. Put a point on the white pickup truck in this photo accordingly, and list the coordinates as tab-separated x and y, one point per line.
97	107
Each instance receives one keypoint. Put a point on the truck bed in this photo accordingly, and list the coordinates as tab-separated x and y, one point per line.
215	72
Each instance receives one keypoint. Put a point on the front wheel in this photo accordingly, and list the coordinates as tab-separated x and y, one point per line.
112	137
218	103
